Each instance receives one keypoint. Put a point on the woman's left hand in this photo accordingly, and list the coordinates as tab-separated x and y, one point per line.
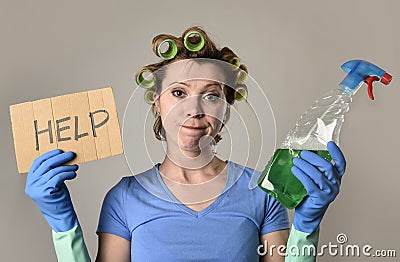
322	181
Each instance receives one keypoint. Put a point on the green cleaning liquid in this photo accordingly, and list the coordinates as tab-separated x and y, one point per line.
277	178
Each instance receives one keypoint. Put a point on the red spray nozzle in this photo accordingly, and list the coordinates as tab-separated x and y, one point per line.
385	79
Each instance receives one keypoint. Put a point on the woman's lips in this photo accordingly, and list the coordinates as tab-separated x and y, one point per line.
194	127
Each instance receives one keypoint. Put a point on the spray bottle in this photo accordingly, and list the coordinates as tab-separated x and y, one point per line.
320	124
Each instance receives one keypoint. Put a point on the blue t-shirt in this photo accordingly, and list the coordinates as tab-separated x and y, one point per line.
229	229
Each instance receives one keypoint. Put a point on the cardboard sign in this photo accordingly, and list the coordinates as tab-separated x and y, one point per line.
85	123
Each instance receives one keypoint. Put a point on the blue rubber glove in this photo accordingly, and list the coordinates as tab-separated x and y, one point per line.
45	185
322	181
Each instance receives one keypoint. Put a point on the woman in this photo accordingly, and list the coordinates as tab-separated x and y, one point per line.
192	206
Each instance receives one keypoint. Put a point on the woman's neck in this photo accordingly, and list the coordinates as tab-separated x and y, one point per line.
195	188
192	173
191	160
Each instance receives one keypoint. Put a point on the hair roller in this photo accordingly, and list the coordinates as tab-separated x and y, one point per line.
170	52
235	62
194	41
149	96
241	93
241	77
241	74
145	78
166	46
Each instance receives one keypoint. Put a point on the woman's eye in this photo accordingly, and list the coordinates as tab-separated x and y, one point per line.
177	93
211	97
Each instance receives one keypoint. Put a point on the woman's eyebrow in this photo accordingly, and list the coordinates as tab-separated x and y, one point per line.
213	87
205	86
213	84
182	83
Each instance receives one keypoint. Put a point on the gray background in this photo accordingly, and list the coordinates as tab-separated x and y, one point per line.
292	49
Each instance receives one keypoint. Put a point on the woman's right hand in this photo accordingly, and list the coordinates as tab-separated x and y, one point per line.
45	185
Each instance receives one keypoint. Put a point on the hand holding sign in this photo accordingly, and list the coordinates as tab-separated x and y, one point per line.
45	185
85	123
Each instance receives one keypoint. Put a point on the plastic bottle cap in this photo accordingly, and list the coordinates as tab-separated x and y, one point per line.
386	78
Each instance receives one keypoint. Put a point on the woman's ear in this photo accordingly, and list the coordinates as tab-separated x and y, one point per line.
156	102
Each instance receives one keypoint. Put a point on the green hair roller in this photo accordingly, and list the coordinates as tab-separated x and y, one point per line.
170	52
146	81
149	97
241	77
240	93
235	63
194	47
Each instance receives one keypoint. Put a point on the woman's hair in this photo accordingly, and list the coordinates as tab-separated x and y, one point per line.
209	51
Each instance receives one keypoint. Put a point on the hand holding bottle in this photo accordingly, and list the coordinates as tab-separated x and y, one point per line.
322	181
45	185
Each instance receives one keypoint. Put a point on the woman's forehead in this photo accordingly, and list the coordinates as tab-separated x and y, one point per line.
190	71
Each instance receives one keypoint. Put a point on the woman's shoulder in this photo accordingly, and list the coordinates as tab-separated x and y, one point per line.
130	182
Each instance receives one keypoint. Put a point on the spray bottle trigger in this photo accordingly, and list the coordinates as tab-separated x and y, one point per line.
369	80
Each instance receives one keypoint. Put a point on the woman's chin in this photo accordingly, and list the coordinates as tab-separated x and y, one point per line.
194	149
192	146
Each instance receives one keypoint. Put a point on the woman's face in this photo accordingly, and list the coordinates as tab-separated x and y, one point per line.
192	104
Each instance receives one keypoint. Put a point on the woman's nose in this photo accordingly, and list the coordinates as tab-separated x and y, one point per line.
194	107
